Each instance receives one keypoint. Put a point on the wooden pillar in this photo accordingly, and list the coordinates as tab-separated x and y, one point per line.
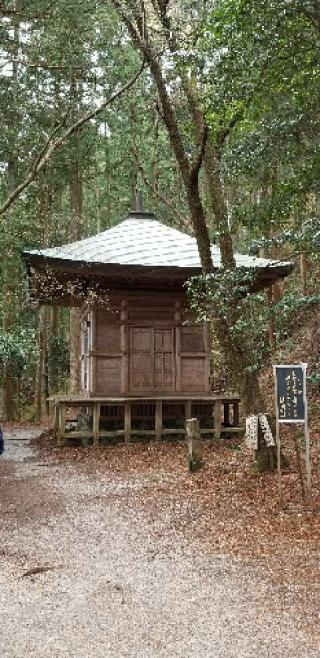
158	420
61	423
217	419
207	347
236	414
127	421
55	415
124	347
93	358
226	414
177	317
96	423
75	350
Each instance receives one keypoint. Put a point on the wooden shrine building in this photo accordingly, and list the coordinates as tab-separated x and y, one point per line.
144	359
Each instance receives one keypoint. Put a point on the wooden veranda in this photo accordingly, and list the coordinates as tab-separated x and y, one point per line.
126	418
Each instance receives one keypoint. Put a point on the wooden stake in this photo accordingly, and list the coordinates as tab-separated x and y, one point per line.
194	445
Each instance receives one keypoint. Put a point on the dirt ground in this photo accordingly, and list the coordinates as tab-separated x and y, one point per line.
119	552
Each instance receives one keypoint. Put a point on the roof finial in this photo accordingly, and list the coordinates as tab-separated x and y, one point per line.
140	201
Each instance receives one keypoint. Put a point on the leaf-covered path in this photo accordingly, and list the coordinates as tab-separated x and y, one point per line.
94	562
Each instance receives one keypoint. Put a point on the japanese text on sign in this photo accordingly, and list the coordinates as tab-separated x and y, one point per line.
290	393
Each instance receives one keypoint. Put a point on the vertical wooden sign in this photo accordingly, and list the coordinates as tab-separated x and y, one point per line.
291	407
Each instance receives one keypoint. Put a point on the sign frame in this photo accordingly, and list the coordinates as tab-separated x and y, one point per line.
300	421
303	368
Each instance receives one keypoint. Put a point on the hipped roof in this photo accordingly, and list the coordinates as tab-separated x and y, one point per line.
142	241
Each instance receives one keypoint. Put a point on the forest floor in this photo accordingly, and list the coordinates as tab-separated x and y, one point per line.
120	552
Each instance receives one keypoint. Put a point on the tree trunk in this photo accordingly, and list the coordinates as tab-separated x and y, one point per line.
76	206
303	274
9	386
134	150
40	403
53	333
271	327
218	206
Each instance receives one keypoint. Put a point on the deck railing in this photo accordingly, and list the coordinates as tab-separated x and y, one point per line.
130	418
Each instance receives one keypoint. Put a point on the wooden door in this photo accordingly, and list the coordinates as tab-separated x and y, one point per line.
151	359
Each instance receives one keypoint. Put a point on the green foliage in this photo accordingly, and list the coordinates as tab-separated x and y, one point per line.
17	350
289	310
58	363
225	295
305	238
262	67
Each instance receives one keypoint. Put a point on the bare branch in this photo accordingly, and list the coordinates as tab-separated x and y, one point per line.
184	220
51	146
42	65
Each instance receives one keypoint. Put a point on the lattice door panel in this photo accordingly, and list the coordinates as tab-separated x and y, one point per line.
151	359
163	359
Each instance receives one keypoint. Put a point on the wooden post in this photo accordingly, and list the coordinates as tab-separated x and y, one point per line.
279	463
55	418
61	423
95	423
194	445
308	463
124	347
93	358
217	419
278	444
307	439
207	347
127	421
158	420
177	317
236	414
226	414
